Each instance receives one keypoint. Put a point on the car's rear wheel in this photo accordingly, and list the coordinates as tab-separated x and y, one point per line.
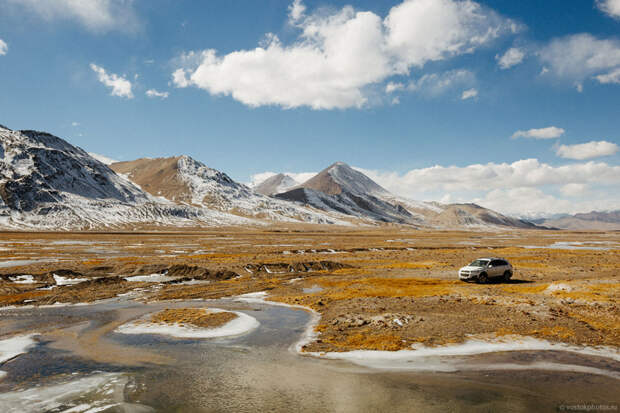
507	276
483	278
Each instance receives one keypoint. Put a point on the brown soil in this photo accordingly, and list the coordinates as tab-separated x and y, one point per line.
383	288
195	317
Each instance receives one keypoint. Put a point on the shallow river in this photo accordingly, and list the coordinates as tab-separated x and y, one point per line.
81	365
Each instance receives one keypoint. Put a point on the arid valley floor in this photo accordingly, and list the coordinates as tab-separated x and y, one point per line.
378	289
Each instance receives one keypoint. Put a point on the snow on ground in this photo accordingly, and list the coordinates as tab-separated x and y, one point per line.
151	278
240	325
13	347
19	263
60	280
442	358
22	279
558	287
96	393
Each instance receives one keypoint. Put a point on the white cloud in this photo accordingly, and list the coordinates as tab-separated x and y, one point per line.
578	57
119	85
339	55
393	87
436	84
102	158
75	124
152	93
611	77
296	10
523	188
469	94
4	48
96	15
589	150
523	173
574	190
512	57
549	132
300	177
611	7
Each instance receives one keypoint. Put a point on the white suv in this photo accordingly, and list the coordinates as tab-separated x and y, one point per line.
482	269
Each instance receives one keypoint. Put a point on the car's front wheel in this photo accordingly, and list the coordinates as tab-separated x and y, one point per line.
507	276
483	278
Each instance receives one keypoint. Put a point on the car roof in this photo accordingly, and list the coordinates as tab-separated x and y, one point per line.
492	258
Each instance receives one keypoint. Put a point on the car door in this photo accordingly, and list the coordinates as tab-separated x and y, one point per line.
495	268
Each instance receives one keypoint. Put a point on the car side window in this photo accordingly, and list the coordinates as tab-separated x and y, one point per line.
496	263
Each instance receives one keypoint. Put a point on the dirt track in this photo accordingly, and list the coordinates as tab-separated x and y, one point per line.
377	289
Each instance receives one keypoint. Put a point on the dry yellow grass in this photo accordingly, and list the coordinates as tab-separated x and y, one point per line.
365	340
385	287
195	317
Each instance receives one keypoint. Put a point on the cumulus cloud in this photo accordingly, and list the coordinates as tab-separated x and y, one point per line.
523	173
469	94
549	132
300	177
589	150
393	87
339	55
95	15
512	57
152	93
119	85
579	57
436	84
573	189
4	48
611	77
296	10
527	188
610	7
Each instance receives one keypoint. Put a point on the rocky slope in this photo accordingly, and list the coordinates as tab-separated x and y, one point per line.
184	180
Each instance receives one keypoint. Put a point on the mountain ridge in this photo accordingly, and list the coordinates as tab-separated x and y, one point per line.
47	183
593	220
341	188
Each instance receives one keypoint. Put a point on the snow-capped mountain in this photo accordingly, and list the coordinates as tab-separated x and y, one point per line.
340	178
187	181
343	189
275	185
47	183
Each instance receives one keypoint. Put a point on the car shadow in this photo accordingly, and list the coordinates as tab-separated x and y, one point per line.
500	280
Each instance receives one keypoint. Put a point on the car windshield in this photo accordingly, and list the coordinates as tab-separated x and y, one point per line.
479	263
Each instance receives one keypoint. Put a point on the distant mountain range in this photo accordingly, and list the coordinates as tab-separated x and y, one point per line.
604	221
47	183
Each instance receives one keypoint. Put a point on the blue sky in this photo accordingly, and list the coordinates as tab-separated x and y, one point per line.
423	95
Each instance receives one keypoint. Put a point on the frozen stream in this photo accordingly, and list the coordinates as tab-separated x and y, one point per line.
81	364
